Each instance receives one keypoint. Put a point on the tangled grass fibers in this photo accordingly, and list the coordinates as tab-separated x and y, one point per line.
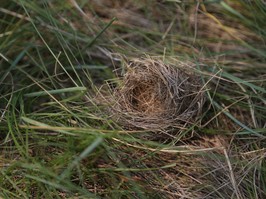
157	96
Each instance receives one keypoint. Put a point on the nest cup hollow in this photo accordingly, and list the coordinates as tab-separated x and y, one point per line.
155	96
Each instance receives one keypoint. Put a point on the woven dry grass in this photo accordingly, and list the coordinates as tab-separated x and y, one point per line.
155	96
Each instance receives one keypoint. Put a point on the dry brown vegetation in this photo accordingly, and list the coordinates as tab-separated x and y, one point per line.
156	96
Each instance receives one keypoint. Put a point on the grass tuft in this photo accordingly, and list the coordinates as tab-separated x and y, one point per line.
56	141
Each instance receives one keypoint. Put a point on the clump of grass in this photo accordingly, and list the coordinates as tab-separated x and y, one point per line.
233	173
56	142
156	96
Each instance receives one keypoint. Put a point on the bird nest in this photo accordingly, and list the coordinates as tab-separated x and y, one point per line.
156	96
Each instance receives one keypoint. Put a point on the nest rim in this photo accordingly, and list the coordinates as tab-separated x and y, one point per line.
157	96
